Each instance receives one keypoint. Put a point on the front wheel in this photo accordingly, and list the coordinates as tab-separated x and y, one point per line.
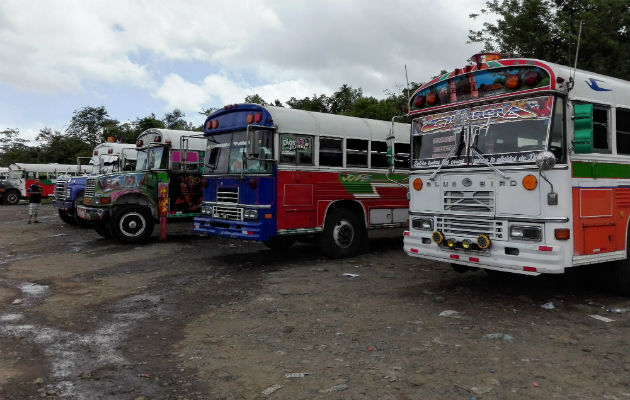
132	224
279	242
12	197
343	234
67	218
102	229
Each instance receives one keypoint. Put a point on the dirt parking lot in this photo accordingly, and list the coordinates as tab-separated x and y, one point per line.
82	317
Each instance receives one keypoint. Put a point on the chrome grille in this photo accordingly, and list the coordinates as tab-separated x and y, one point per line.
60	189
90	186
227	195
477	201
226	212
467	228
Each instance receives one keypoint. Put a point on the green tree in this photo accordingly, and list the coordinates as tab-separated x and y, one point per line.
88	124
175	120
148	122
548	30
255	99
342	101
316	103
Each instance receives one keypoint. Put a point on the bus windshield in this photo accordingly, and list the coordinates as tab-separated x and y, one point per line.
151	158
503	133
227	154
16	174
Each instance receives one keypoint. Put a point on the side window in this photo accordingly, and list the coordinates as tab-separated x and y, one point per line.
378	154
296	149
402	155
357	153
623	131
601	136
330	152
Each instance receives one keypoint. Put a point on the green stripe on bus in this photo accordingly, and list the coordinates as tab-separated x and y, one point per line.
600	170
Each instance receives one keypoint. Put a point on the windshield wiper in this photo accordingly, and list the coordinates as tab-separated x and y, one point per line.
456	150
478	154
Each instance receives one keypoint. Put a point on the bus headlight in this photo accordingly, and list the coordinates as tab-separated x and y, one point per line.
250	214
520	232
422	224
206	209
68	194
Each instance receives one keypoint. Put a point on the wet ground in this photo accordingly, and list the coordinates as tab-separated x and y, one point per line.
82	317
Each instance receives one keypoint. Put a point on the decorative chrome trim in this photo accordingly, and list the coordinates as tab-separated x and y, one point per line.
510	218
484	168
214	203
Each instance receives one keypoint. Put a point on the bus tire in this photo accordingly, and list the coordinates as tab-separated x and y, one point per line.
67	218
132	224
79	221
12	197
279	242
343	234
102	229
621	273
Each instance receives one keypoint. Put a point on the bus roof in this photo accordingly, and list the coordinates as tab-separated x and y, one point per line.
516	76
48	167
110	152
289	120
195	141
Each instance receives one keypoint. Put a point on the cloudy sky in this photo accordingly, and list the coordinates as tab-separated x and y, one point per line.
138	57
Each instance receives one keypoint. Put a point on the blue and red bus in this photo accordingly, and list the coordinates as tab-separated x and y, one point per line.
275	175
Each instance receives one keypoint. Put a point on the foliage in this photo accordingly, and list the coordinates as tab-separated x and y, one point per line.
548	30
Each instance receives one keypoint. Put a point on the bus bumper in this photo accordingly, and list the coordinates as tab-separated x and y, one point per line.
63	205
516	257
227	228
92	213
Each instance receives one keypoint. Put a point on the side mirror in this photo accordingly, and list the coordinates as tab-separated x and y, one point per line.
254	139
583	127
545	161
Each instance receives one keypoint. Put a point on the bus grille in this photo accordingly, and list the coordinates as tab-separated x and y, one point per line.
90	186
471	227
227	195
232	213
60	189
469	201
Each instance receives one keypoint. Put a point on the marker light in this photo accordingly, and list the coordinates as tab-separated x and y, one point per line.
208	124
483	242
110	151
215	123
250	118
257	117
139	143
437	237
562	234
417	184
157	139
95	152
530	182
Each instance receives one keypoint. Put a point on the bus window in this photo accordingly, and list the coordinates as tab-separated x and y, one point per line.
623	131
601	142
330	152
378	154
357	153
557	131
402	155
296	149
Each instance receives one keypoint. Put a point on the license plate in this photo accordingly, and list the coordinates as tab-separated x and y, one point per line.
82	213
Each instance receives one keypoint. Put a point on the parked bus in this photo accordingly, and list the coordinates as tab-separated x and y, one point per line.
4	172
275	174
521	165
22	175
106	158
166	184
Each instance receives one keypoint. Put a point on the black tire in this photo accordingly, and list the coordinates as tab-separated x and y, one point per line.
131	224
67	218
280	242
12	197
102	229
621	273
79	221
343	234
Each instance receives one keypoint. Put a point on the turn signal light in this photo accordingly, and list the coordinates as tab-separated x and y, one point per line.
530	182
215	123
417	184
106	200
250	118
562	234
466	244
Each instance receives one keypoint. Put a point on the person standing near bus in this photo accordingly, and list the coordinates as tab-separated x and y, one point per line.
34	200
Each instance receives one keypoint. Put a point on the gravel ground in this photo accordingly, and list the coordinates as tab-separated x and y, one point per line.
82	317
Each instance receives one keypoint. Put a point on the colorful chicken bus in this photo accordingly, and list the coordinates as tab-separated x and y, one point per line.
520	165
106	158
275	174
22	175
166	184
